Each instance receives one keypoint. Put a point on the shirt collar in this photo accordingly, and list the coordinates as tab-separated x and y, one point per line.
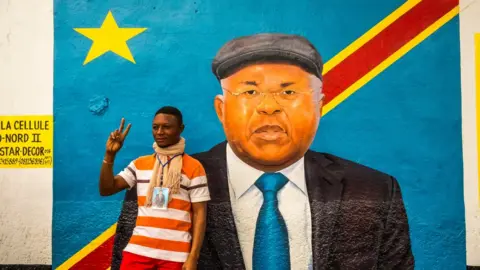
242	176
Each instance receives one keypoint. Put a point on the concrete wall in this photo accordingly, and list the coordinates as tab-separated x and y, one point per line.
470	60
26	88
407	121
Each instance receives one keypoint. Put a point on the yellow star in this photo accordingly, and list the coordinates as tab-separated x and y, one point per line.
109	37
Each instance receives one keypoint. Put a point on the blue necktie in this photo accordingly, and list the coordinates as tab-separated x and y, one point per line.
270	248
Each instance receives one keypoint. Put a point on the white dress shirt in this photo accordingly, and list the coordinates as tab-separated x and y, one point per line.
293	204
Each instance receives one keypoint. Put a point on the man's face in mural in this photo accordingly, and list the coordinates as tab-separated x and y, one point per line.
166	129
270	113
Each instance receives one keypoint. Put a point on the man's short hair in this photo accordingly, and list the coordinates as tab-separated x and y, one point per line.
171	111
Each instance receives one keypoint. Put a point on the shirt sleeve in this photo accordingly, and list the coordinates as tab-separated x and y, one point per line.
129	174
198	188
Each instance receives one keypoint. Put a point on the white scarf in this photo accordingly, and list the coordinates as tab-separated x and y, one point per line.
168	170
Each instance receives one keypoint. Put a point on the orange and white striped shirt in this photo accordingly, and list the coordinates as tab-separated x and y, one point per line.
165	234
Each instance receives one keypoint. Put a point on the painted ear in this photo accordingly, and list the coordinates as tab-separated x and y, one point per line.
320	104
218	104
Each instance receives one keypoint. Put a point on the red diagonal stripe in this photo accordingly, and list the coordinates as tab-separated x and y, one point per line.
100	258
388	41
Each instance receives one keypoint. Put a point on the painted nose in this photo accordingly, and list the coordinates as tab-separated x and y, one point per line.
269	105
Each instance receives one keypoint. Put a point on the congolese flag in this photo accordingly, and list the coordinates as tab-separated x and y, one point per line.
399	79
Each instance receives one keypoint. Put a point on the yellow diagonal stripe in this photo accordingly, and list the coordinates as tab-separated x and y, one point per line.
369	35
88	248
390	60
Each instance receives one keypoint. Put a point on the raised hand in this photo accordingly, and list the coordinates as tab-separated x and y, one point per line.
115	141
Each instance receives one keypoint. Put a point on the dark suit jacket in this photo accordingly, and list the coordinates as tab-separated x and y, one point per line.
358	217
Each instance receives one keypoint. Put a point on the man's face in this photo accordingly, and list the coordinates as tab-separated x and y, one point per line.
270	113
166	130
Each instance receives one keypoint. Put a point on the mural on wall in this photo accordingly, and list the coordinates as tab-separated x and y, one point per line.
266	110
270	111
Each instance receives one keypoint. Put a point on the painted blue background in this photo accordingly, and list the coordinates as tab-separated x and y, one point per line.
405	122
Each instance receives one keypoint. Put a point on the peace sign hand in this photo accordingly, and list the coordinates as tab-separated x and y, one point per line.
115	141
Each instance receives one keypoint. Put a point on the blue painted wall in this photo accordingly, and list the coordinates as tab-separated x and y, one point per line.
405	122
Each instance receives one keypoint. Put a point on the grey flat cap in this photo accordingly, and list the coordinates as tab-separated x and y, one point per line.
267	48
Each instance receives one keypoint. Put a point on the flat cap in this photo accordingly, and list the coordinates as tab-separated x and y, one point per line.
267	48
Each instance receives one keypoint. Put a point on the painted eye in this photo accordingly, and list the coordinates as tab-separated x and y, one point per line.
250	92
289	92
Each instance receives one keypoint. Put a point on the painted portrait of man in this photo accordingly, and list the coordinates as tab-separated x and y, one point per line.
275	203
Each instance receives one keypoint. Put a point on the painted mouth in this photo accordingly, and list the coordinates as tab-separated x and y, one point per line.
270	132
269	128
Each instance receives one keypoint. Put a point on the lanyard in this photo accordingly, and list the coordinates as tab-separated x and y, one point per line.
163	166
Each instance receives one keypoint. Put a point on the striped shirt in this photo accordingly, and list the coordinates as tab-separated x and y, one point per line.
165	234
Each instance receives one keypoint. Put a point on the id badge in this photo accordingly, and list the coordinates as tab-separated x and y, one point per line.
160	198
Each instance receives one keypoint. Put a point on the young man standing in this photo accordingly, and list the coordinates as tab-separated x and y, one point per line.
172	194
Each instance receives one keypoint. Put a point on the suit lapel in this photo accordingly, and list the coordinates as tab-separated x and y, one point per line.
324	185
220	220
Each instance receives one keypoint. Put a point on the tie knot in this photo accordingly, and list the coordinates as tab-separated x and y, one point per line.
272	182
